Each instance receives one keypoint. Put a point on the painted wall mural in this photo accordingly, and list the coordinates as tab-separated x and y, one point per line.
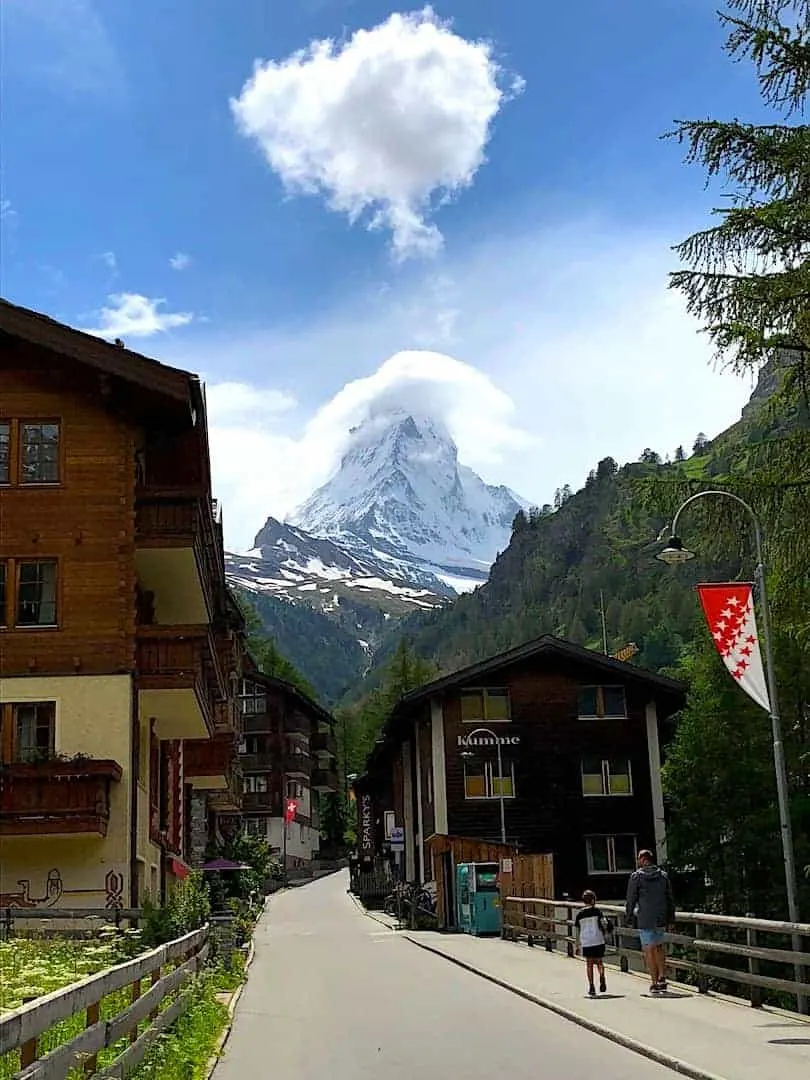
54	890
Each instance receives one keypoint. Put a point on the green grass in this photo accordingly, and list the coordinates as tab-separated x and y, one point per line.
32	967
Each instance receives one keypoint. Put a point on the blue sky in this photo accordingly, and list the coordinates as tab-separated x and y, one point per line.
525	207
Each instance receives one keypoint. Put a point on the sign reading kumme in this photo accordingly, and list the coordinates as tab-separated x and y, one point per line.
488	740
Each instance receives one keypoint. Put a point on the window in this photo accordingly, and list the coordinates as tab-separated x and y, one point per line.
255	784
481	780
254	699
390	819
602	701
36	593
256	826
606	776
429	785
3	592
255	744
484	704
611	854
5	452
34	731
39	453
295	789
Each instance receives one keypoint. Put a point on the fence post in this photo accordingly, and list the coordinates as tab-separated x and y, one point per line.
155	978
136	993
702	980
91	1017
753	964
569	918
29	1051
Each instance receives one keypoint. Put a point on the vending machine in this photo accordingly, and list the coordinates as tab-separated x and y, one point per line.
478	899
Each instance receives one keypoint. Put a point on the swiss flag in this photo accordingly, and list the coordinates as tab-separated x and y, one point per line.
289	810
729	611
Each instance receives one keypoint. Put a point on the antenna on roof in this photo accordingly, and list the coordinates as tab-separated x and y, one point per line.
119	342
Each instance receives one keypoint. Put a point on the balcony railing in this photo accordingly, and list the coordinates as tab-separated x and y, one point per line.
56	796
297	723
265	761
297	764
267	801
323	742
175	520
171	658
210	757
324	780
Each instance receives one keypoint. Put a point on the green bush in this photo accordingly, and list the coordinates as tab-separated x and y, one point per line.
188	908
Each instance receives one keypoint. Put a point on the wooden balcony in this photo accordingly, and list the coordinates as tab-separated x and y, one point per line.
323	742
174	555
171	680
263	762
297	764
297	723
268	802
56	797
324	780
209	763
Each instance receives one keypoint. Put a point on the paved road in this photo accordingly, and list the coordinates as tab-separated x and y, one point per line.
333	994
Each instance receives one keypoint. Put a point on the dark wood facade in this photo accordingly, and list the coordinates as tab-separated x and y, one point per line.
580	786
288	752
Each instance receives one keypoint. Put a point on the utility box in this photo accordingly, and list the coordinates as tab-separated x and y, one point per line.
478	899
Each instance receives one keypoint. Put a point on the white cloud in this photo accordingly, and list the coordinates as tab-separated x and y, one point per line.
6	209
132	315
382	125
574	325
262	470
109	260
180	261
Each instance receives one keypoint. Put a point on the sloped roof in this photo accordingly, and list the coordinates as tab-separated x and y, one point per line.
37	329
548	645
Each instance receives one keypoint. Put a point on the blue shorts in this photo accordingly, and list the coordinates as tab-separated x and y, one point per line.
651	937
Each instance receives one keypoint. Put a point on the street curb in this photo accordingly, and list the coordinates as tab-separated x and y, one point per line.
371	915
678	1066
218	1050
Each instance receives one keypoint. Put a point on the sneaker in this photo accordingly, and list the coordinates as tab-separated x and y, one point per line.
591	992
654	988
662	986
602	986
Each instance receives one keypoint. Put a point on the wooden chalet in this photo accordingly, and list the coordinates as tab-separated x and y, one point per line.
120	647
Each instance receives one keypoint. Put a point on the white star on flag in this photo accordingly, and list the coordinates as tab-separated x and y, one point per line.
735	635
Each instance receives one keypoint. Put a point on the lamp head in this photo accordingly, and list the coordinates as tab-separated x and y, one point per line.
675	553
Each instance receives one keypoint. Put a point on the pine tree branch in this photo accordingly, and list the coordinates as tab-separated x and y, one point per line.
780	53
772	158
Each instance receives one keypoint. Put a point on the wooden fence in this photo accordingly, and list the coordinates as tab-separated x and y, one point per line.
697	935
25	1029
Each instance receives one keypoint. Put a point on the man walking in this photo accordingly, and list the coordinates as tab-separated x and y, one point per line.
651	900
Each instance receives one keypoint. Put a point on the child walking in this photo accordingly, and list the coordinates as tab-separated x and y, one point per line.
591	925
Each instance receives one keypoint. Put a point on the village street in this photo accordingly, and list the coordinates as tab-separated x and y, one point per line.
333	993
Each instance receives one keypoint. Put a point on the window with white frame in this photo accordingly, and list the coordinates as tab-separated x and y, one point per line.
611	854
481	779
253	698
606	776
390	820
485	703
256	826
603	701
255	784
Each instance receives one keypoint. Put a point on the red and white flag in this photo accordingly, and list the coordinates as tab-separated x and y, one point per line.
289	810
729	611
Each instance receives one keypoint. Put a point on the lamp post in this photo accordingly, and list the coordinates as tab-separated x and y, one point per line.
673	555
469	754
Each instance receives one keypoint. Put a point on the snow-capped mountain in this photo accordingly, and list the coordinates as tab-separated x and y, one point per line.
401	525
401	492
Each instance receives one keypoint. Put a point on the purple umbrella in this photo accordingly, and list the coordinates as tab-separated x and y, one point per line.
225	864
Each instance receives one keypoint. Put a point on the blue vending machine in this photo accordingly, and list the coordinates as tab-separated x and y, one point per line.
479	902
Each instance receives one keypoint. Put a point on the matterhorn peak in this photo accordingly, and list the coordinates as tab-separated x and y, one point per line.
400	491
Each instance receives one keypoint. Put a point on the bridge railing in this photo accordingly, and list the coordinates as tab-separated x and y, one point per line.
764	959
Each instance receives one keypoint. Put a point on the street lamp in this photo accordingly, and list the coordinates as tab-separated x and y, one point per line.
674	554
469	754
